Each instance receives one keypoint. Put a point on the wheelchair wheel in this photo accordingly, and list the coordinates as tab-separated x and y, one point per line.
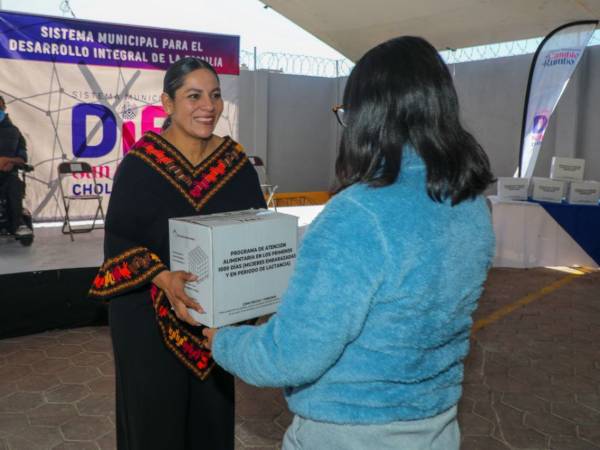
26	241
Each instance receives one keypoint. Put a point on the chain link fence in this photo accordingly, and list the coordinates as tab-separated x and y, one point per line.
333	68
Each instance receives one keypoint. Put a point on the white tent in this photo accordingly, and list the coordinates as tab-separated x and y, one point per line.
354	26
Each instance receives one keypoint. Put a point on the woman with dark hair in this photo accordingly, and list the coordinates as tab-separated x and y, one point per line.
370	337
169	394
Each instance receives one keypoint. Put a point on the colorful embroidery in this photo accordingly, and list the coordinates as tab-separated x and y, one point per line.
189	348
198	184
128	270
138	266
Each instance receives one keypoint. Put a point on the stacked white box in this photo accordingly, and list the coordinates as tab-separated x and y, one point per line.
546	190
510	188
567	169
584	193
242	259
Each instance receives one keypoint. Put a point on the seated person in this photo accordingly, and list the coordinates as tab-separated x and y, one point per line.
13	152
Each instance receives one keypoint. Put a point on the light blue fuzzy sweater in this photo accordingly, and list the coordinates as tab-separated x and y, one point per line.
375	323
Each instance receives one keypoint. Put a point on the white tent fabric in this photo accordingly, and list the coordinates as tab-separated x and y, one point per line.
354	26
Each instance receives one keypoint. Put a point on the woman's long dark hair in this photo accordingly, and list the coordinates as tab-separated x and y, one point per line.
401	93
175	77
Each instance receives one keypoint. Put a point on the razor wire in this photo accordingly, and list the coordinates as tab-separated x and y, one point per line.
294	64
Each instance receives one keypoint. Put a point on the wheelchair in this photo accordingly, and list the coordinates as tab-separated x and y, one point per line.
23	169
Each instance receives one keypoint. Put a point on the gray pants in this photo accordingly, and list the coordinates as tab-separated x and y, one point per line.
435	433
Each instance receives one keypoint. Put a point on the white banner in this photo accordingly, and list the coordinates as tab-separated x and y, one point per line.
73	107
557	58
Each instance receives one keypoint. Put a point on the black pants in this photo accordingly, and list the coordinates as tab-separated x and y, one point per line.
11	188
161	405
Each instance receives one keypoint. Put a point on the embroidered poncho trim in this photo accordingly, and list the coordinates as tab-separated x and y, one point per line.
125	272
198	184
137	266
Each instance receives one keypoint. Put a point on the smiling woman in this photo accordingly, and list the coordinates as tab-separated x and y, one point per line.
194	105
164	373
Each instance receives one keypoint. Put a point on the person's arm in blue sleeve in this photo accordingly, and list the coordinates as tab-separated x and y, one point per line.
339	268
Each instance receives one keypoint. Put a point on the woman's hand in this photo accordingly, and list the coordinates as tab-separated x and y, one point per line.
173	284
209	333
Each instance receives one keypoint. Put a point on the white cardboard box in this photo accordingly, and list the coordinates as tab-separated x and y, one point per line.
510	188
546	190
567	168
243	261
584	193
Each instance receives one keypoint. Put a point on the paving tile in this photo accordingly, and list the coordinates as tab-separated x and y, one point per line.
525	403
51	365
576	383
472	424
465	404
99	344
7	389
12	423
238	445
550	424
590	400
482	443
90	359
107	368
37	342
570	443
553	393
486	409
37	383
102	385
20	402
18	443
504	383
477	392
76	338
79	445
67	393
591	373
529	375
576	412
25	357
79	374
551	368
51	414
284	420
87	330
96	405
86	428
63	350
511	429
590	433
261	405
108	441
13	373
45	437
9	348
258	432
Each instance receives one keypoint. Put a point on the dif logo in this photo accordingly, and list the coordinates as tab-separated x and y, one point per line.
85	113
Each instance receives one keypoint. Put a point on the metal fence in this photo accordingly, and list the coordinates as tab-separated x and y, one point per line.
324	67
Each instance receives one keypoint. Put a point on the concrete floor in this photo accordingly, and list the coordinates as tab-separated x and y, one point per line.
532	378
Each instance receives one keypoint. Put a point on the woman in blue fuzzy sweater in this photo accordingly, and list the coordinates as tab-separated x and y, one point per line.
370	336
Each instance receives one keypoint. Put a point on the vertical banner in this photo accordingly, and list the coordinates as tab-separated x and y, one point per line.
553	64
82	90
